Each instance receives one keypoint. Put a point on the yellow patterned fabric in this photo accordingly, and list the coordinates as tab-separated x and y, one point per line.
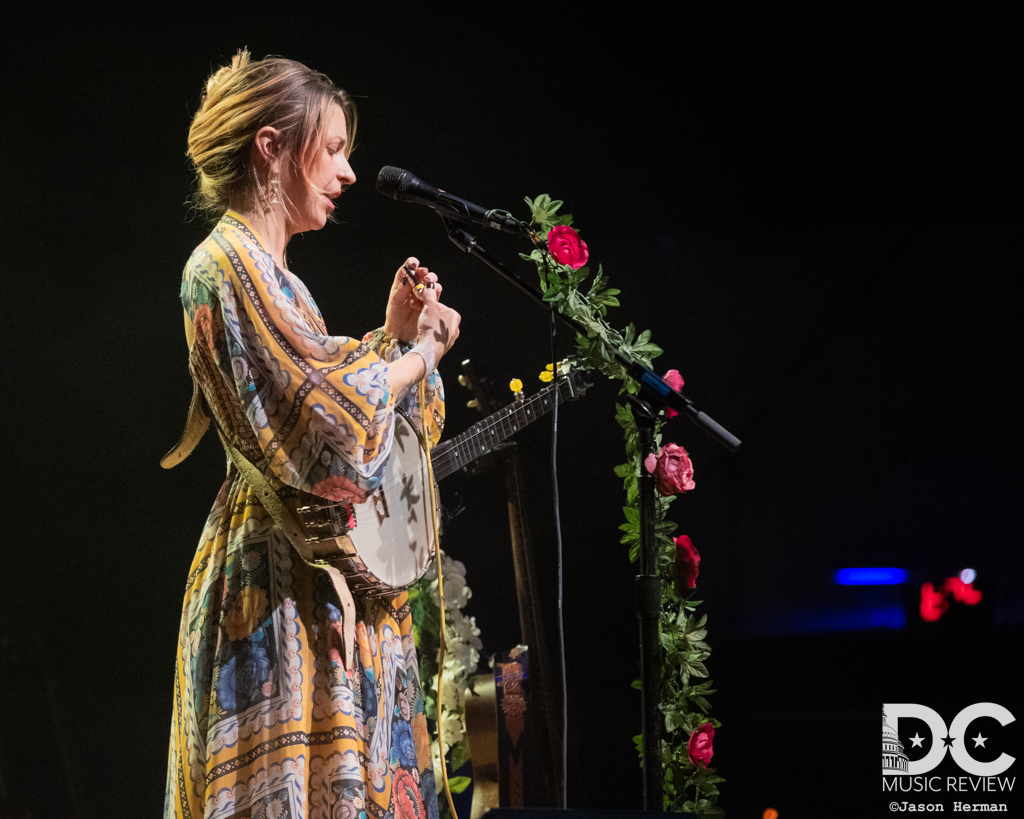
268	723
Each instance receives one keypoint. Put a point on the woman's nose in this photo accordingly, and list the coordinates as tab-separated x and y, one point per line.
345	173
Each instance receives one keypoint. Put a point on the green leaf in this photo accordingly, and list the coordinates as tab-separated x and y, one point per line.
459	754
458	784
632	534
632	492
698	669
625	470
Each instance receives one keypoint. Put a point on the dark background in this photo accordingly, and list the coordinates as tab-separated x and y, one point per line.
817	217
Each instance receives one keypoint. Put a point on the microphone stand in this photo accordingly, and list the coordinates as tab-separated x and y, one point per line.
658	396
648	612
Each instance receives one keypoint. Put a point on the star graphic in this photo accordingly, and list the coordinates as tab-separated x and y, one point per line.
979	740
948	741
917	740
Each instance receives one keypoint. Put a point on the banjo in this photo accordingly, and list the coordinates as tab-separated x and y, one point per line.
386	543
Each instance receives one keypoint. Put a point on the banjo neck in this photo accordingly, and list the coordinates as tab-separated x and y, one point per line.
451	455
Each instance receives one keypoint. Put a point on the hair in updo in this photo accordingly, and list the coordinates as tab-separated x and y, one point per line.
245	96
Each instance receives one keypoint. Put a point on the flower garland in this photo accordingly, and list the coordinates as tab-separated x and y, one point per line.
690	785
462	656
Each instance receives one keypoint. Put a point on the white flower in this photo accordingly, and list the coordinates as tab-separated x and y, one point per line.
463	645
450	693
453	731
466	631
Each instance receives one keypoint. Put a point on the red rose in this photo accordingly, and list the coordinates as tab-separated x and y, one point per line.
675	381
687	562
567	247
699	747
672	470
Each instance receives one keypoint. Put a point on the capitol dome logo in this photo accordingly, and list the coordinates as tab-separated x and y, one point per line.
894	760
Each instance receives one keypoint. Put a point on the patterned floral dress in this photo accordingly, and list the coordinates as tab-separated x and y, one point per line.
267	720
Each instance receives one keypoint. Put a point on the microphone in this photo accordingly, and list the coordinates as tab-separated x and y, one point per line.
406	187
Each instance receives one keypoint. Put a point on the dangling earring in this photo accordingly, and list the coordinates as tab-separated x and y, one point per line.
275	188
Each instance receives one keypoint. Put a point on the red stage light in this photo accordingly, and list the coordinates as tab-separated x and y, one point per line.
934	602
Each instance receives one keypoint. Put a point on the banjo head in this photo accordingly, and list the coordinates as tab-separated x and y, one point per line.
393	535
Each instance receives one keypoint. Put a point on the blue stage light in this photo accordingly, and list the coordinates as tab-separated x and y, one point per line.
871	577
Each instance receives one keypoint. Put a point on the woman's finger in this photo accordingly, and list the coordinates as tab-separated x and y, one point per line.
407	273
428	294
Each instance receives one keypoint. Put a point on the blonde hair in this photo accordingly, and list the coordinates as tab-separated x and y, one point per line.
245	96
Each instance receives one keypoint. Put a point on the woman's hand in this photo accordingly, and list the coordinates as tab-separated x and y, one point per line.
404	305
434	324
438	325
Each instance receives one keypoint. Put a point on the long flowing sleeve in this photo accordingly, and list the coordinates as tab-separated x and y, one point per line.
428	414
317	407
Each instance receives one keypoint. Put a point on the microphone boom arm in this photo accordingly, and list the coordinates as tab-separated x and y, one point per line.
653	384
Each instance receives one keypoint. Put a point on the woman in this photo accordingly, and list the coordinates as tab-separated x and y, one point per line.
276	713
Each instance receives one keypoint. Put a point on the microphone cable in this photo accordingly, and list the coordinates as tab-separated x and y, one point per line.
564	751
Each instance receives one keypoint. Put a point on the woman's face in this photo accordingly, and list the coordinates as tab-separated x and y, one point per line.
329	175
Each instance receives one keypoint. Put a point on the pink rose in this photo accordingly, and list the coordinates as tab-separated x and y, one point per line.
675	381
687	562
567	247
699	747
672	470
